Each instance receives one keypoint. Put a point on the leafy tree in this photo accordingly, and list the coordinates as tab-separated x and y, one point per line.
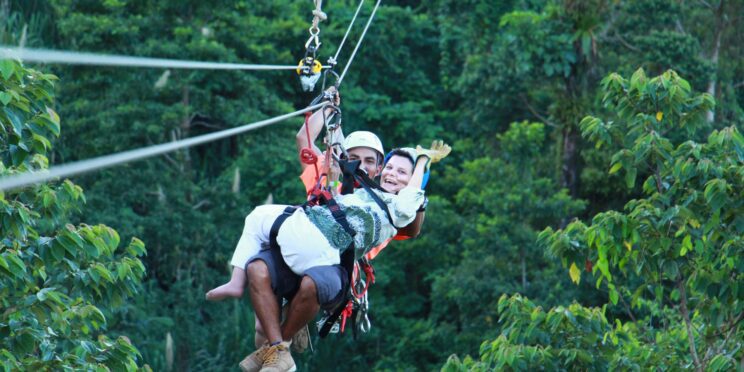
675	254
566	339
59	283
684	237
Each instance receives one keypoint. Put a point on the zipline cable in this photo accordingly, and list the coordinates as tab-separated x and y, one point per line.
79	58
340	46
83	166
361	38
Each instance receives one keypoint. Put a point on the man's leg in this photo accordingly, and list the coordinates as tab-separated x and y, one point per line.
260	337
264	300
302	309
321	286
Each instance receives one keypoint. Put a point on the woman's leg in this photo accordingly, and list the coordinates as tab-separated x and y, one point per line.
233	288
255	233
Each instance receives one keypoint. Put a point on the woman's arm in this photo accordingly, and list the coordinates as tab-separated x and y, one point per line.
413	229
417	178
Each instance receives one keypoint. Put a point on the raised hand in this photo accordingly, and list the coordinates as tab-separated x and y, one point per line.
438	151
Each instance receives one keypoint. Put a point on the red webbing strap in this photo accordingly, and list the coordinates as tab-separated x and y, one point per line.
346	314
369	273
307	155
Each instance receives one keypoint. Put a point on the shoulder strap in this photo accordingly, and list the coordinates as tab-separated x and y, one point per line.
340	217
278	224
348	169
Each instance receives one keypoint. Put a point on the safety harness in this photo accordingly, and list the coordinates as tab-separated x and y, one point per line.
354	304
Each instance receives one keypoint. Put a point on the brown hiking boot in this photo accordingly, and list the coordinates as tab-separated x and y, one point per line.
301	340
278	359
254	361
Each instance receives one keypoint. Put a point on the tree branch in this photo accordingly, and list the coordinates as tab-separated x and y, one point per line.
200	204
731	328
686	316
625	43
739	84
173	162
705	3
545	120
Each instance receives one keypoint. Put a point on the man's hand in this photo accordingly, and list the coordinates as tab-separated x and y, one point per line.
438	151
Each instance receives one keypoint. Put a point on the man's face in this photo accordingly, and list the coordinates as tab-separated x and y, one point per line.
368	158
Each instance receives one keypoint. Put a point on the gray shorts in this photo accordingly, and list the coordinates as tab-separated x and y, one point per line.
330	281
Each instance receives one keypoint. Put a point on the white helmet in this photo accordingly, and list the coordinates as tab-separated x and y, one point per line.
363	138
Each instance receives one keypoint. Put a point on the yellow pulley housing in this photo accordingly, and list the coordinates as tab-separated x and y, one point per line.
309	66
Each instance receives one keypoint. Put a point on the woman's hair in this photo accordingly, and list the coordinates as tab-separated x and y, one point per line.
400	152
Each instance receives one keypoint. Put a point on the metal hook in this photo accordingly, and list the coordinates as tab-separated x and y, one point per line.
313	38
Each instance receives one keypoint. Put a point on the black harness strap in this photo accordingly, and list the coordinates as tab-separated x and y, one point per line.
340	218
347	262
278	224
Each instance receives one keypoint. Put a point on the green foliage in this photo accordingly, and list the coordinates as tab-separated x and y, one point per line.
684	237
564	339
58	281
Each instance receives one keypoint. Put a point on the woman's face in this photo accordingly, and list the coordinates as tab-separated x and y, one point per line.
396	174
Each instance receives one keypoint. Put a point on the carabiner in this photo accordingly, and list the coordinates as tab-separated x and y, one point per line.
314	32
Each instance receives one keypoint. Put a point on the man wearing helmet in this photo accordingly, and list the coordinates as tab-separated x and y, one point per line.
367	148
360	145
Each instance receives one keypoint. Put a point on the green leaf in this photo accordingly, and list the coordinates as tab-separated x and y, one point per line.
5	98
614	297
671	269
630	177
103	272
721	362
6	68
58	251
17	267
686	245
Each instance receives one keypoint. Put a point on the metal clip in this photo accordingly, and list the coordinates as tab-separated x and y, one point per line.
314	32
362	319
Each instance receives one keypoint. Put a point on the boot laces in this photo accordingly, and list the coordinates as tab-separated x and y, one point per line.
272	355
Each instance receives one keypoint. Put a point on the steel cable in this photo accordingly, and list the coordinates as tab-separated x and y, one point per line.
361	38
83	166
78	58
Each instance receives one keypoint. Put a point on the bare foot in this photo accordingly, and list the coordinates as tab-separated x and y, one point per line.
224	291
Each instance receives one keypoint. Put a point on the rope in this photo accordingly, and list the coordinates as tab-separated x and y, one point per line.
338	51
307	155
314	30
77	58
66	170
318	16
361	38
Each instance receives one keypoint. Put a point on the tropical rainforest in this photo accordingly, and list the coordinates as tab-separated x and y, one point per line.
590	216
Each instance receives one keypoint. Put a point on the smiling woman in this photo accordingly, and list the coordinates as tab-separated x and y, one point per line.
398	169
